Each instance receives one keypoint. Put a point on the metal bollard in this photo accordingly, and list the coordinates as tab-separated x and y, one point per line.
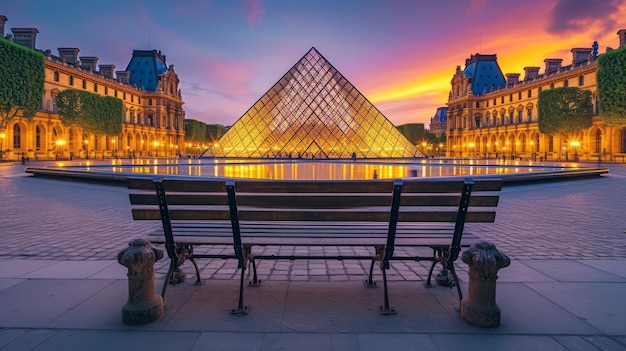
479	306
143	305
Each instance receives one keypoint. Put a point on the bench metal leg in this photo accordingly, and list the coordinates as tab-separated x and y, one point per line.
195	265
188	253
241	310
430	273
455	280
370	283
168	277
255	279
250	258
385	309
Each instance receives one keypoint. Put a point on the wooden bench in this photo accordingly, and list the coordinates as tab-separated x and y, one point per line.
381	214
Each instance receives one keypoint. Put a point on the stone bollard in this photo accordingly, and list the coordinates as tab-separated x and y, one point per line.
143	305
479	306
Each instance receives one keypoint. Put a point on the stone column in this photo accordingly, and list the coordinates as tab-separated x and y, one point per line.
143	305
479	306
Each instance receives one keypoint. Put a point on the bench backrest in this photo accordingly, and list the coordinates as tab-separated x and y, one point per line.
383	201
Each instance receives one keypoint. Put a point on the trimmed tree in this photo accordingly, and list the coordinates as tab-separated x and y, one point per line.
22	83
566	111
611	80
101	115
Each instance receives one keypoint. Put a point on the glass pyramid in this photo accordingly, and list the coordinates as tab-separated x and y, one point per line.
313	112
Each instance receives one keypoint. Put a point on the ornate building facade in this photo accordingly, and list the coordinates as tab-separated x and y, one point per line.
153	117
491	115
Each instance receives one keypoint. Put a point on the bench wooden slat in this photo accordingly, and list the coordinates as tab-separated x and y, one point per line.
322	186
320	201
246	215
328	241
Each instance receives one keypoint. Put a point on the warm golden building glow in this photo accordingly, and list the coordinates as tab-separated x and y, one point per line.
152	115
502	122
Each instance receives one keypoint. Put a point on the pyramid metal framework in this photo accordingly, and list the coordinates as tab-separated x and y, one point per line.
313	112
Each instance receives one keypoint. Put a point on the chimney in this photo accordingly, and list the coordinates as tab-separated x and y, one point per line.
3	20
25	36
580	55
88	63
531	73
69	55
107	70
622	37
512	79
552	65
123	76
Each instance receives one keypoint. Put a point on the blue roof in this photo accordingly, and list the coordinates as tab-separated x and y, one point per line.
442	114
145	67
484	73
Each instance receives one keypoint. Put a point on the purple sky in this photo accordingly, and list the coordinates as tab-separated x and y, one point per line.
401	54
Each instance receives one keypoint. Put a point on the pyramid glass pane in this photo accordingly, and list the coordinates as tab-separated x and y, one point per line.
313	112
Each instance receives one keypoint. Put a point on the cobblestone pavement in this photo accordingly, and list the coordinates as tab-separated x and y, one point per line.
62	220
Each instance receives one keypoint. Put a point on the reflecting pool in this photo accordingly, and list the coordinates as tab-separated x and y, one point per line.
120	169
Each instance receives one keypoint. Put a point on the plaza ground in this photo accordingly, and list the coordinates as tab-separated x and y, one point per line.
62	288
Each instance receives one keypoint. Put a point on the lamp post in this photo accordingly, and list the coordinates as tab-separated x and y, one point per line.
155	144
114	151
59	143
2	136
86	142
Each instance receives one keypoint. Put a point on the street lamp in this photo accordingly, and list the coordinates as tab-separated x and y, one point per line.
575	144
155	144
114	148
86	142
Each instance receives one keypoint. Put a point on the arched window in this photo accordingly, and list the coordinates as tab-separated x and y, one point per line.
17	137
37	138
597	141
551	143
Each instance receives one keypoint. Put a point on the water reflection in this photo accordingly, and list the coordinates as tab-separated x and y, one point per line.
316	170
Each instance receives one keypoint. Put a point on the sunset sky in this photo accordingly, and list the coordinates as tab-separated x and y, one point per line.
401	54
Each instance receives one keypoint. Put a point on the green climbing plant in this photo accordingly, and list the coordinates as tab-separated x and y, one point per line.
566	111
22	73
100	115
611	80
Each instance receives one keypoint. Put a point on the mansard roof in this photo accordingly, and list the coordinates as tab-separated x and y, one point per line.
145	67
484	73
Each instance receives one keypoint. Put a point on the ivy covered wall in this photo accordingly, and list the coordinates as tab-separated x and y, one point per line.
22	73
